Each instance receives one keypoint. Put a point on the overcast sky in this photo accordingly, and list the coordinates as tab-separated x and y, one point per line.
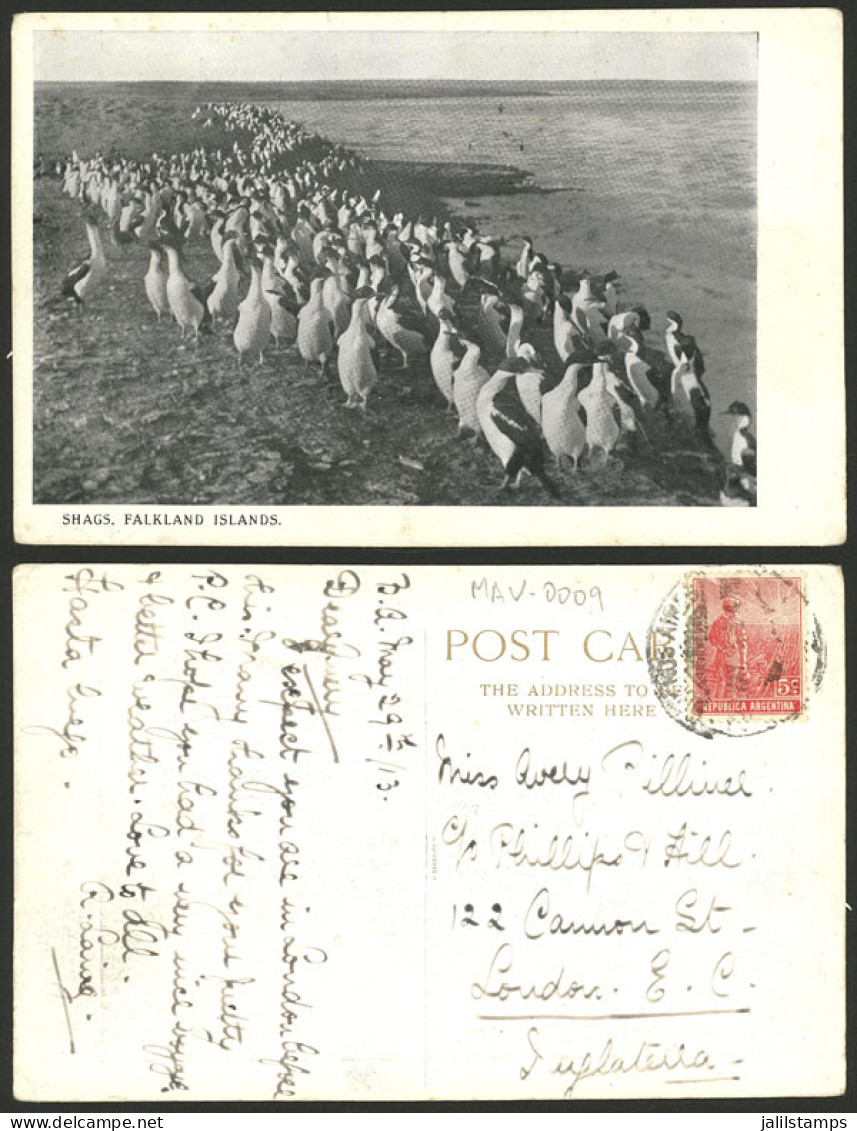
305	56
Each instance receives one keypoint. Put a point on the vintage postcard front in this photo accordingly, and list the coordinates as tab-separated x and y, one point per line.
492	278
374	833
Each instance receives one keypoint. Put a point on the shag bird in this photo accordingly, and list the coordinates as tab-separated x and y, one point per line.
602	430
187	301
563	423
566	332
674	325
315	328
403	330
223	300
86	275
253	327
357	359
442	358
638	373
511	432
690	396
739	488
467	382
156	280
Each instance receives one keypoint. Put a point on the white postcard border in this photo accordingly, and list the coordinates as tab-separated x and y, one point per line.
800	344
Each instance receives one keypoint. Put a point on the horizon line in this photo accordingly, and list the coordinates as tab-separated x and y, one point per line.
400	82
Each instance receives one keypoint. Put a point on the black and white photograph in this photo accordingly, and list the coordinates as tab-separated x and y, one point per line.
395	268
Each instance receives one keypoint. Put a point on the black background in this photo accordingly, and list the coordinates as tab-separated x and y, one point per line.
14	554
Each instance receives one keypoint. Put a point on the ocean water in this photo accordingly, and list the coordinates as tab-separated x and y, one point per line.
656	180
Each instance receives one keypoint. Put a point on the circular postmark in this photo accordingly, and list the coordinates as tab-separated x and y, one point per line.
736	652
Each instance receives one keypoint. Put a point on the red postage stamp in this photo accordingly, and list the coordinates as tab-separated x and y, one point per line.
746	646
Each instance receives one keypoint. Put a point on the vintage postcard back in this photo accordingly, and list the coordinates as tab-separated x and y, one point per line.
540	278
377	833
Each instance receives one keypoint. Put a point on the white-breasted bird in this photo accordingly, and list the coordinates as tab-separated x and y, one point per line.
562	420
611	294
459	264
690	396
739	488
253	327
186	301
438	299
223	300
516	329
566	332
334	293
284	322
522	267
674	325
215	235
493	323
402	330
583	295
626	402
357	356
467	381
510	431
442	358
156	280
315	328
637	371
602	430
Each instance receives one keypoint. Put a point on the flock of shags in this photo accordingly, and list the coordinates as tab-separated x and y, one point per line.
345	278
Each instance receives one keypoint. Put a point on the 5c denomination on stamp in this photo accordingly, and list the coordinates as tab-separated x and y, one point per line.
746	646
